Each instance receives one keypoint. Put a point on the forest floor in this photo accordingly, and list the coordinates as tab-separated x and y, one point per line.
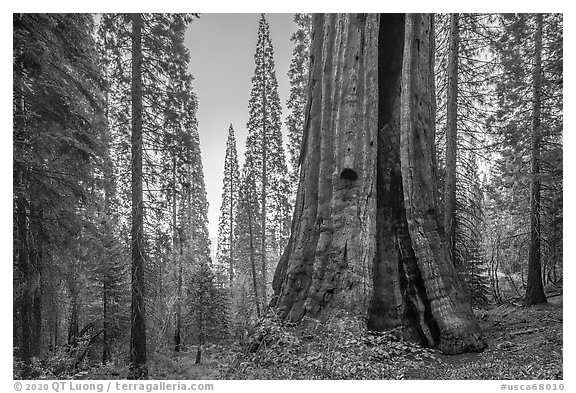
523	343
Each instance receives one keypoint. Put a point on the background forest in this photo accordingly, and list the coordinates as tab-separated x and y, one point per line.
114	271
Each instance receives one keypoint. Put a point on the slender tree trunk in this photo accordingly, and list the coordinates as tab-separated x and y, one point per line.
178	334
451	140
252	256
108	195
176	263
23	270
138	368
35	261
365	239
23	306
105	327
73	326
535	289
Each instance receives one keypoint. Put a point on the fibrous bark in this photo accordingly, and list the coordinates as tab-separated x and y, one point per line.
364	237
449	303
328	263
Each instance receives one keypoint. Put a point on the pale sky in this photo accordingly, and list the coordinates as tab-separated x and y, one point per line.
222	48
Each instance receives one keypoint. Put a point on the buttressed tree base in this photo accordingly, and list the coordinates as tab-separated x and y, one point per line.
365	238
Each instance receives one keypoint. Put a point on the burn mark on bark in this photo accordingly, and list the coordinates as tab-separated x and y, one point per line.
348	174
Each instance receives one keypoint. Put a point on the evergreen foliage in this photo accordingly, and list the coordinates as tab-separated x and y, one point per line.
227	239
296	103
265	160
57	147
509	193
474	87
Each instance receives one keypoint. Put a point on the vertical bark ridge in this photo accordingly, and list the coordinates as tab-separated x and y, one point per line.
364	239
399	296
293	274
324	224
342	123
450	307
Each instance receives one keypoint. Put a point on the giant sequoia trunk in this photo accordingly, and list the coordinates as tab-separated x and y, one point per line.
365	239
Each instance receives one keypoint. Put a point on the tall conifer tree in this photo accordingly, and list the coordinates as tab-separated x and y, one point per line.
529	122
230	186
298	75
265	156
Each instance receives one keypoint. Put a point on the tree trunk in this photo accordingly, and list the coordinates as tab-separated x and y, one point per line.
178	333
73	327
366	189
176	263
252	253
449	304
24	304
138	368
535	289
451	140
35	287
327	266
105	338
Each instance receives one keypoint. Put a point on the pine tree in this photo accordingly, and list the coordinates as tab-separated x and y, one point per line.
248	303
296	103
265	157
226	235
464	72
451	138
515	176
207	318
174	195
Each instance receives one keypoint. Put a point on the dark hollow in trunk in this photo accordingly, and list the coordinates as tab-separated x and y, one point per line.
395	265
364	239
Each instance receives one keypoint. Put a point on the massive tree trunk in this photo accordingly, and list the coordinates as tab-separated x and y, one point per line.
327	266
535	290
138	368
451	140
364	239
449	304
